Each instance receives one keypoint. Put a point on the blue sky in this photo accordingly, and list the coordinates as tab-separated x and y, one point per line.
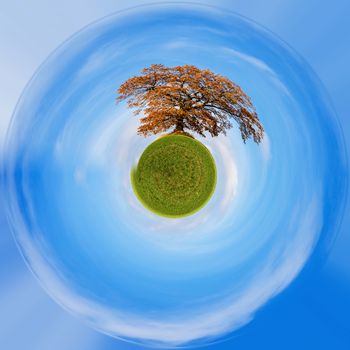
312	313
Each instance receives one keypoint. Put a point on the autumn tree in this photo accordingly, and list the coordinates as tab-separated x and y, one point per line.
188	98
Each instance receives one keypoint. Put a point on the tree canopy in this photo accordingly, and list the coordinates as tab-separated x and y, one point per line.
186	97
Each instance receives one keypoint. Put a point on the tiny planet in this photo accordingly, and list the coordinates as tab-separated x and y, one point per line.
99	212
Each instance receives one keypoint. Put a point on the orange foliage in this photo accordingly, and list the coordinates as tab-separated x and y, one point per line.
186	97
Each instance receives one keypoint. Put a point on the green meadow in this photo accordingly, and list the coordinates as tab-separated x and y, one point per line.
175	176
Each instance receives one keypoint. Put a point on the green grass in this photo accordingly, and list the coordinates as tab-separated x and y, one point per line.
175	176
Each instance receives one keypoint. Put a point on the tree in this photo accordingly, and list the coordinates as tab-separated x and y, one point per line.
186	97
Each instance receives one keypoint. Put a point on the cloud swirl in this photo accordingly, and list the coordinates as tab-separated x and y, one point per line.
129	273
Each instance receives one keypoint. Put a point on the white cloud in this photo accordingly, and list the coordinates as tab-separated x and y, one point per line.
249	59
265	147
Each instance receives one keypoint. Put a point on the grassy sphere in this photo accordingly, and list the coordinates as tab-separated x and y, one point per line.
175	176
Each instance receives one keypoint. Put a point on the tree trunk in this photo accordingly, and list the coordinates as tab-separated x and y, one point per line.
179	125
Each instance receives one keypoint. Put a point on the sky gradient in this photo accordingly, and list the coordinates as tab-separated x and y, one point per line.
313	310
